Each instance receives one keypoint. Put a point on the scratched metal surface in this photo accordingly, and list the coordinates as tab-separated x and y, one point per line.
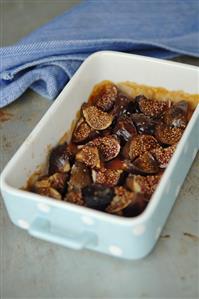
31	268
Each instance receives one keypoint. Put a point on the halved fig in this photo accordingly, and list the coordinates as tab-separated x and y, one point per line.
43	187
138	145
148	165
108	146
177	115
96	118
80	177
59	159
144	124
121	200
142	184
168	135
105	96
138	206
145	164
152	108
107	177
74	197
124	128
82	132
58	181
89	155
97	196
163	155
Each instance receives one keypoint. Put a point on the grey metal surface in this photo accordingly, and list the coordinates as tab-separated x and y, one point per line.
31	268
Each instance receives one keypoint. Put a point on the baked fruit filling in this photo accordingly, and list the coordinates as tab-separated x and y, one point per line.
119	149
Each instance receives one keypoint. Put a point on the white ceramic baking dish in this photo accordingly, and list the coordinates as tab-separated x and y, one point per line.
78	227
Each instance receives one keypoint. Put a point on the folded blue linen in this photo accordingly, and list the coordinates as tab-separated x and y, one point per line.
47	58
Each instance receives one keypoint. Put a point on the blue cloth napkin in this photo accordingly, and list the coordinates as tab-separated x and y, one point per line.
47	58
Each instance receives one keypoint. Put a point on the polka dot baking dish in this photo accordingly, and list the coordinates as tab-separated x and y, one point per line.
78	226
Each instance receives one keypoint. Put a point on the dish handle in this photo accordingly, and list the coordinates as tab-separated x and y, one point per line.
42	228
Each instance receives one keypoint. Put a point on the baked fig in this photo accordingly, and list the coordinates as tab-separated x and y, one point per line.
97	196
105	96
72	150
137	207
125	129
80	177
121	200
152	108
144	124
163	155
120	107
89	155
59	159
168	135
145	164
108	146
177	115
96	118
138	145
142	184
106	177
82	132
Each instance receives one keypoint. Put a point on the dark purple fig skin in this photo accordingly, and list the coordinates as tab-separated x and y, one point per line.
143	123
125	129
97	196
138	207
136	166
120	105
177	115
59	159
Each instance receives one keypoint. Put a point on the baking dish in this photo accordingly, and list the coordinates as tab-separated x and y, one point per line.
79	227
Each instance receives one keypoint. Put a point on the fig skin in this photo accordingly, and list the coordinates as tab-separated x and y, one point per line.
103	95
106	97
59	160
144	124
83	132
97	196
80	177
137	207
125	129
177	115
145	164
